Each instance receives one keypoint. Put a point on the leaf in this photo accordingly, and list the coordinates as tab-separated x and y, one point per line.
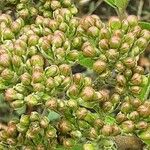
52	115
144	25
86	62
21	110
121	4
110	120
111	3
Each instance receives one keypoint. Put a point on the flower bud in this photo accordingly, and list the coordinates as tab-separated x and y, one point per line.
73	104
7	74
105	33
112	54
138	69
50	84
136	79
88	147
121	80
129	62
124	48
17	104
34	116
37	77
25	120
65	69
38	87
115	98
33	40
143	111
68	143
128	126
58	80
7	34
120	117
103	44
107	106
31	100
73	55
81	113
76	134
118	33
132	20
88	94
77	42
51	103
141	43
142	125
51	132
37	60
145	34
114	23
115	42
73	91
135	102
99	66
78	79
5	60
93	133
44	122
93	31
12	129
25	78
51	71
135	89
64	126
129	38
11	141
87	81
120	89
15	27
107	130
120	67
115	130
55	4
125	107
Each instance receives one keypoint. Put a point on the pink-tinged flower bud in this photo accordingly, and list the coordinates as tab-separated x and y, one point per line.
89	51
134	115
135	102
93	31
99	66
145	34
88	94
105	33
19	50
12	129
31	100
141	43
115	42
16	61
135	90
119	89
118	33
128	126
138	69
120	117
50	84
15	27
7	34
24	13
53	25
5	60
136	79
81	113
66	3
57	41
5	18
143	111
121	80
64	126
107	130
65	69
132	20
51	104
33	40
104	44
129	38
55	4
142	125
51	71
112	54
73	55
25	120
37	60
37	77
129	62
120	67
78	78
44	122
125	25
115	23
73	91
38	87
39	20
25	78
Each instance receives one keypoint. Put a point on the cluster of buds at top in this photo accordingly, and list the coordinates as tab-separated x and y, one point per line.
37	52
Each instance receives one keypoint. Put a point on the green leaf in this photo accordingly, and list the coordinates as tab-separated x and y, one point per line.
52	115
121	4
86	62
144	25
110	120
111	3
21	110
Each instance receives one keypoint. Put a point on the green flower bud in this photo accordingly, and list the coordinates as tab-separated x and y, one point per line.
93	31
37	77
5	60
115	98
73	104
7	34
63	26
15	27
44	122
16	61
83	125
33	40
31	100
87	81
125	107
34	116
145	34
76	134
21	128
88	94
128	126
58	80
77	42
143	111
132	20
142	125
25	120
120	117
38	87
17	104
55	4
115	42
103	44
73	10
73	55
3	135
107	130
141	43
64	126
129	62
125	47
73	91
107	106
128	73
37	60
135	89
134	115
11	94
121	80
50	84
7	74
125	25
65	69
51	71
115	23
51	103
24	13
129	38
51	132
99	66
105	33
